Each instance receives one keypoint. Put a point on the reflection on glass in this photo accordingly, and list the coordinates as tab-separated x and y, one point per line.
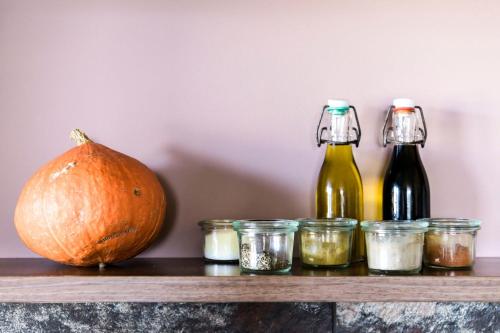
358	269
222	270
447	272
325	272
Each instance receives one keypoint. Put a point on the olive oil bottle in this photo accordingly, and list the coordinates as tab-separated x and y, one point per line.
406	192
339	191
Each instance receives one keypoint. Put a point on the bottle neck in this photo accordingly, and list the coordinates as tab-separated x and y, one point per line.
339	153
409	153
340	125
406	127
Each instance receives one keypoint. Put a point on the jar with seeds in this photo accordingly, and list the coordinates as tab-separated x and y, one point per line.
266	246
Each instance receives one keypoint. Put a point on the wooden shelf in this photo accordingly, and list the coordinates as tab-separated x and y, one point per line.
191	280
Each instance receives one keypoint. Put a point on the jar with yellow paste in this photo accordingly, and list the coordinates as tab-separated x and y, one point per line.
326	243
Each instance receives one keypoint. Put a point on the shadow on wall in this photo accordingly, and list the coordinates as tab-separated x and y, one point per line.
200	188
171	213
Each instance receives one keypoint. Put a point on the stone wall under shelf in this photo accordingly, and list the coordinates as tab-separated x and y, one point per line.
250	317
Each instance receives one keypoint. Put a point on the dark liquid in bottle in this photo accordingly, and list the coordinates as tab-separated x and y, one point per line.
406	194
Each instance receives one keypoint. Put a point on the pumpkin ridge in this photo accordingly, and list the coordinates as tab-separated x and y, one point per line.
92	157
156	223
87	232
49	227
119	160
102	256
82	160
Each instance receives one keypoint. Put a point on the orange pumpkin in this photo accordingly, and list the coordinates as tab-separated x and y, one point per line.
92	205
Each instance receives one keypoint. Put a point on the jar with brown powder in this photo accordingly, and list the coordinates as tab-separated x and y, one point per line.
450	243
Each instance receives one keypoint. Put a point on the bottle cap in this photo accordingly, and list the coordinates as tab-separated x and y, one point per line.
403	103
338	106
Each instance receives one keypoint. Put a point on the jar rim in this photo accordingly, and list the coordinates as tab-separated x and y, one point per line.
216	223
340	222
453	223
255	224
387	225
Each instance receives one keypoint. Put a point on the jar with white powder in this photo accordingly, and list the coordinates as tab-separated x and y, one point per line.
394	247
220	241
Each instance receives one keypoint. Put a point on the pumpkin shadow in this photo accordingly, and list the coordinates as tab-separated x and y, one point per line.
171	212
201	187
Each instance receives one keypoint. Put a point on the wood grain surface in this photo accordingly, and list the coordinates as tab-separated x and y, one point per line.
190	280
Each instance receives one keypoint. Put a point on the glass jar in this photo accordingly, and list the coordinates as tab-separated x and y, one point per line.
266	246
394	247
450	243
220	241
326	243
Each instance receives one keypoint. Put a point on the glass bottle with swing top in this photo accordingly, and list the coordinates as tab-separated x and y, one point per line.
406	193
339	191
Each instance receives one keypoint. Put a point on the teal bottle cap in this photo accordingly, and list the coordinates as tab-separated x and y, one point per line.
338	107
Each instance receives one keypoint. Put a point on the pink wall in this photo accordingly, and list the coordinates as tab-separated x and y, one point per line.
221	98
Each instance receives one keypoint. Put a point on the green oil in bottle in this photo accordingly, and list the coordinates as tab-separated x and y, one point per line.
339	192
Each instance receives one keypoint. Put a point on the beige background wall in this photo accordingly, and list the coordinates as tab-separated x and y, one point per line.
221	98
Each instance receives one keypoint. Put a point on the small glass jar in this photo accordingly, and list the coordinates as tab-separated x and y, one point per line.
394	247
326	243
266	246
220	241
450	243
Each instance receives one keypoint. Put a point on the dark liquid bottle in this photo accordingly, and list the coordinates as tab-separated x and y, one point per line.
406	193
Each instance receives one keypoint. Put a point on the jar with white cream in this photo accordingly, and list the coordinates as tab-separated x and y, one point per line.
220	241
394	247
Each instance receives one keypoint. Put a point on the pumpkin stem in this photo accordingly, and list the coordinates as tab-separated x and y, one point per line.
79	137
